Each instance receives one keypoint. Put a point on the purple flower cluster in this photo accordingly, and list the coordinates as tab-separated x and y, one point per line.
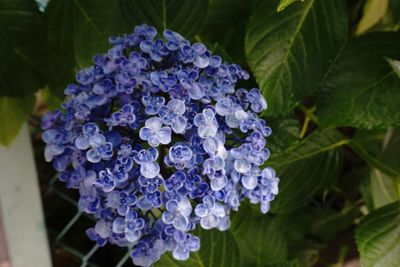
158	140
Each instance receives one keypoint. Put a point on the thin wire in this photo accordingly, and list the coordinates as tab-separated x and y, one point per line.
77	254
124	258
68	226
85	259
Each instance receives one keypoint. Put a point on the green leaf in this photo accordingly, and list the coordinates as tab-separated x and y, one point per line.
218	249
293	263
328	223
315	144
290	52
77	30
225	24
361	89
285	133
183	16
22	50
374	11
263	243
306	168
378	237
243	220
395	65
384	189
395	11
284	4
380	150
13	113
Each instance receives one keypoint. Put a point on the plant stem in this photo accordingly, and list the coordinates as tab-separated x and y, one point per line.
308	116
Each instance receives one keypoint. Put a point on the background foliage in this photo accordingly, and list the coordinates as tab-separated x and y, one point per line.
330	72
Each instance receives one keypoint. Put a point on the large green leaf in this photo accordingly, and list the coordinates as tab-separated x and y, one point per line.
379	149
384	189
290	52
378	237
293	263
225	24
285	133
315	144
374	11
306	169
77	30
263	243
328	223
285	3
13	113
22	50
244	219
395	65
183	16
218	249
361	88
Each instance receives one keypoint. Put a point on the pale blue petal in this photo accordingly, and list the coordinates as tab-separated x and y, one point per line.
172	205
145	133
154	140
149	169
223	106
193	243
211	145
201	61
184	207
232	121
93	156
209	222
154	123
201	210
82	142
242	166
179	125
119	225
265	206
181	222
102	229
196	91
269	173
219	210
177	106
199	119
249	182
52	150
224	223
133	236
180	253
241	115
165	135
208	114
218	183
209	201
97	140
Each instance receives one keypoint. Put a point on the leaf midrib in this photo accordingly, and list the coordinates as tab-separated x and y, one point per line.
292	41
307	155
87	17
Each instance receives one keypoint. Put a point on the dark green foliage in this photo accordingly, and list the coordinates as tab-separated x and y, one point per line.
378	237
334	110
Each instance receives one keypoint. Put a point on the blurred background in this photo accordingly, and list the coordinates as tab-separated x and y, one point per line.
330	73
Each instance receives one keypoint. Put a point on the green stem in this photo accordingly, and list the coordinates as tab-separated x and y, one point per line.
308	116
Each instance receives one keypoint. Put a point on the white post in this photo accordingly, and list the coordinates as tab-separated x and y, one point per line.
21	206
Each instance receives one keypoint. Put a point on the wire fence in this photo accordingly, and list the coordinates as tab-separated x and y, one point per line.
66	226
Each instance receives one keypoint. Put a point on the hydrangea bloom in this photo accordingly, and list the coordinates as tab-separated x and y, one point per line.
159	141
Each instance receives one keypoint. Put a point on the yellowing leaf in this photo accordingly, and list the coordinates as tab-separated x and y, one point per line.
374	10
